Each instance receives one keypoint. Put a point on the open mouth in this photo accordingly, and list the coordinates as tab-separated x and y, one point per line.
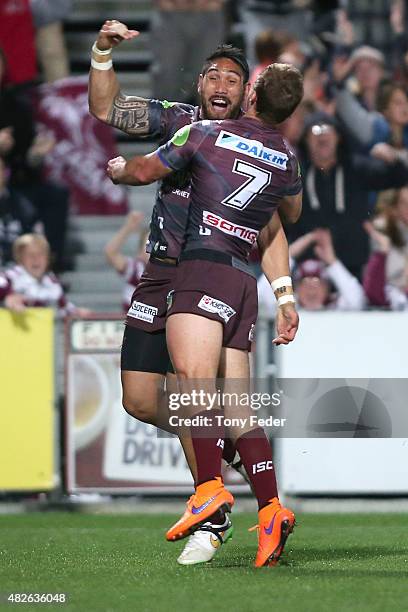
219	103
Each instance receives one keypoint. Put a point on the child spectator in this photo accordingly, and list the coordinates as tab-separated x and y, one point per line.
386	273
320	283
28	283
131	268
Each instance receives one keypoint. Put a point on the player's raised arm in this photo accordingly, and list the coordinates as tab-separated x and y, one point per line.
106	101
274	251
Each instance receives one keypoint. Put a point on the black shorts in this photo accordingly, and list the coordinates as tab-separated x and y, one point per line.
145	351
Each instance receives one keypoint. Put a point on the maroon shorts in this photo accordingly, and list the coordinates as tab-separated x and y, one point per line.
149	301
219	292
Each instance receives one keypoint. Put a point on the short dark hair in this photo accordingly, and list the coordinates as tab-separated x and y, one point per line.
233	53
279	89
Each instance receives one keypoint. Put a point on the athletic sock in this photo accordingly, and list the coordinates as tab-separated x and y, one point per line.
218	518
229	450
256	455
208	442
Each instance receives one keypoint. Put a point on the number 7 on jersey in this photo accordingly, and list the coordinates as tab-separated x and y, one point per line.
258	180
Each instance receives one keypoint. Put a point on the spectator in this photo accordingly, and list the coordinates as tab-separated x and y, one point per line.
336	193
269	45
319	283
17	216
183	32
293	128
386	273
131	268
29	283
51	50
292	16
17	42
24	150
388	126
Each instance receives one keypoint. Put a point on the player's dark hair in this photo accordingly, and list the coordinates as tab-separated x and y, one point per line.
233	53
279	89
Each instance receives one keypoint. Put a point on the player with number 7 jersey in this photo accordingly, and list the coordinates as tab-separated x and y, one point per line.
241	173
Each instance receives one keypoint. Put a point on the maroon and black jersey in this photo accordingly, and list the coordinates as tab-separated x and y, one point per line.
170	213
240	171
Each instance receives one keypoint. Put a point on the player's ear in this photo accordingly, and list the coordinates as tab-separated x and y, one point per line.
251	97
245	99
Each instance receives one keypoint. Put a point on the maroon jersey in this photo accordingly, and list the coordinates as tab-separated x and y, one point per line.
240	170
170	213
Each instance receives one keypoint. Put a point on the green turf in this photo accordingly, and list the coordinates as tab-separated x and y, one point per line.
332	562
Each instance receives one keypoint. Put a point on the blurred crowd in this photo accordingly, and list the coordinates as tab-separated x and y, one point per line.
349	251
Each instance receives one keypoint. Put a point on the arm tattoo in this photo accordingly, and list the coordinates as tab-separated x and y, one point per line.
130	114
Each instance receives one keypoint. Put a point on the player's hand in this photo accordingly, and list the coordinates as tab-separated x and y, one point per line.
116	169
287	323
133	220
15	302
112	33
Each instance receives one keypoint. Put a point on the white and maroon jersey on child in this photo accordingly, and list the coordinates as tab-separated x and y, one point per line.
132	274
45	292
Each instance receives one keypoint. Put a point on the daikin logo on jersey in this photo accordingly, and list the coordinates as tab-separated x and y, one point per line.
252	148
240	231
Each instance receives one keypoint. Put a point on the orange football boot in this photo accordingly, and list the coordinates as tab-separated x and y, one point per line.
275	525
209	497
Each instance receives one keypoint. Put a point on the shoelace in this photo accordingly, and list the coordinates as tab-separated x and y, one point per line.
257	527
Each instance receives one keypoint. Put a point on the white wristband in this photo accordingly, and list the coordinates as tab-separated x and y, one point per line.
285	299
99	51
101	65
282	281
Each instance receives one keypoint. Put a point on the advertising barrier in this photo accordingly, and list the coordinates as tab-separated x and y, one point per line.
345	380
108	450
27	400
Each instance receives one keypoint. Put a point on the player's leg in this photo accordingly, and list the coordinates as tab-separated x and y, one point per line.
252	444
145	364
195	344
204	543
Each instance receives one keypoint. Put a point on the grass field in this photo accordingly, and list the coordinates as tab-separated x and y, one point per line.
332	562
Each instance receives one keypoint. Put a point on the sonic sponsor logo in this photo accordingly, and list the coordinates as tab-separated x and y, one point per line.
252	148
141	311
210	304
232	229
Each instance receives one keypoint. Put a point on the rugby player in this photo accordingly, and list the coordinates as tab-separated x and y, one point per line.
242	171
145	360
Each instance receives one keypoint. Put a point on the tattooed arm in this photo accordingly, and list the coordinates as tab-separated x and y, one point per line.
130	114
106	102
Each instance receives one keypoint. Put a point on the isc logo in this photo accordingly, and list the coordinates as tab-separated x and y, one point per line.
262	466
